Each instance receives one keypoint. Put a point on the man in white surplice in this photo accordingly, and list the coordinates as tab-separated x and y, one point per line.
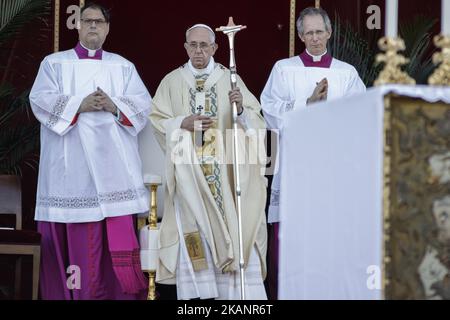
91	105
199	248
295	83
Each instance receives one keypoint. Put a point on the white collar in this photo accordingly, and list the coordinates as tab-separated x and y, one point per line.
317	58
91	53
199	72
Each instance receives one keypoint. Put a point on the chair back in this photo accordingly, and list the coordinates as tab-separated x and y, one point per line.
11	198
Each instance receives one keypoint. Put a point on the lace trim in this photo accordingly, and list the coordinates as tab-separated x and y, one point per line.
90	202
275	198
57	110
139	115
289	106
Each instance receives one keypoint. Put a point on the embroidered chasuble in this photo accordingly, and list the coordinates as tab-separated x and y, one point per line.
199	197
205	103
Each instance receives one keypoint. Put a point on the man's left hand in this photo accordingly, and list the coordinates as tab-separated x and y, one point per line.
236	96
106	103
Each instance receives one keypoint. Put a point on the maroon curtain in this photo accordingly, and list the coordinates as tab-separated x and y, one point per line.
151	33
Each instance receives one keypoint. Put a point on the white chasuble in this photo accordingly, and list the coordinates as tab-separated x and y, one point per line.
89	169
200	194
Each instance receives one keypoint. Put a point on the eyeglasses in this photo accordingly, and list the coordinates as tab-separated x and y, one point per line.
202	45
98	22
318	33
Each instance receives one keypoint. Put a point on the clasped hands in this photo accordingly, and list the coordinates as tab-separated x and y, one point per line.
320	92
98	101
197	122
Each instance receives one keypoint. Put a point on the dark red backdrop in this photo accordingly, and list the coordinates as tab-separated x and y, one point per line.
151	33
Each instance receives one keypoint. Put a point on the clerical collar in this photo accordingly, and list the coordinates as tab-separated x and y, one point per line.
316	58
85	53
200	72
322	61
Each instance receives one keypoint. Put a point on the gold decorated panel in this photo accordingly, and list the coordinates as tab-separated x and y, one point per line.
417	239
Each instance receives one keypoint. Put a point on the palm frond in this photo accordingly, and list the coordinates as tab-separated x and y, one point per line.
18	147
360	50
19	135
350	46
6	90
16	14
12	106
417	35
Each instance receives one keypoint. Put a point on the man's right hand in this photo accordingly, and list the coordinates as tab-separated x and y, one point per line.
91	103
320	92
197	122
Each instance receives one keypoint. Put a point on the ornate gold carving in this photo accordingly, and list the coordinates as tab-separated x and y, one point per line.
141	222
386	192
153	224
153	216
441	76
416	200
392	60
151	286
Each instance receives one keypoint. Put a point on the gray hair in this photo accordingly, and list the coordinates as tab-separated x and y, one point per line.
204	26
313	12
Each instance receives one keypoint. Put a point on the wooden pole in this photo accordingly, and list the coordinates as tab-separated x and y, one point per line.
56	26
292	29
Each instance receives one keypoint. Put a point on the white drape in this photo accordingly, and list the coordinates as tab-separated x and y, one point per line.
331	205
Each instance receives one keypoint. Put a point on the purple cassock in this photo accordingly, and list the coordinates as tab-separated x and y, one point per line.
273	246
91	261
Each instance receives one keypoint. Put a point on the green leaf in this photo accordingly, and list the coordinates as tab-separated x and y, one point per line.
16	14
360	50
19	131
19	135
417	36
354	48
